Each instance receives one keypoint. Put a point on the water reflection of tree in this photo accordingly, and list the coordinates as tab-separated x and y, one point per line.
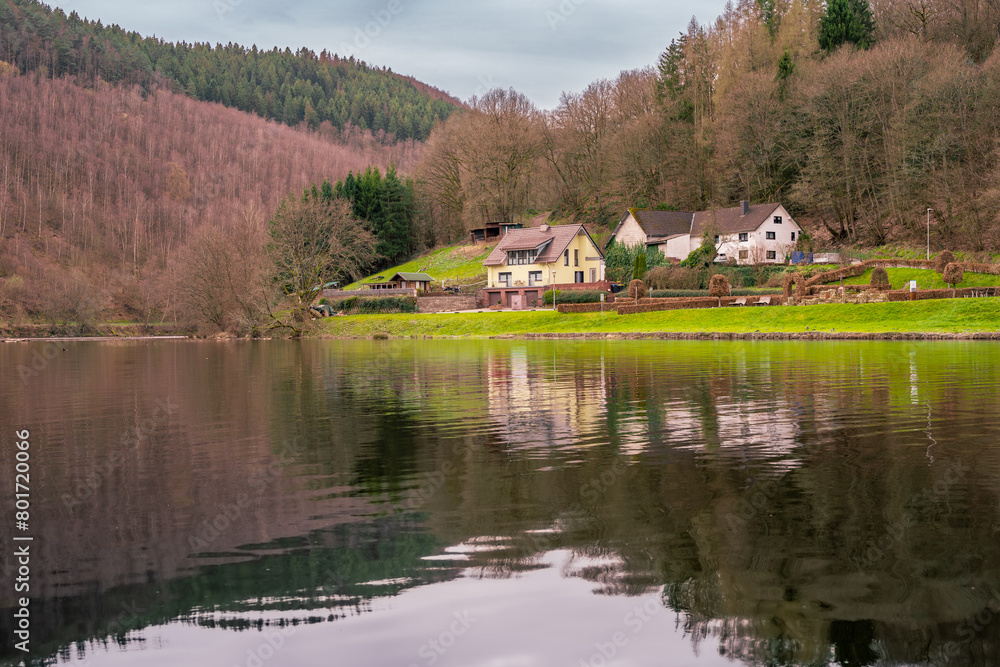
786	579
658	479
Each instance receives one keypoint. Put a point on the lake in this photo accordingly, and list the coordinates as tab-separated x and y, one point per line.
504	503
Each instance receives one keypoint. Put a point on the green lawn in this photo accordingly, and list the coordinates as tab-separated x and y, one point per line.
926	279
932	316
460	264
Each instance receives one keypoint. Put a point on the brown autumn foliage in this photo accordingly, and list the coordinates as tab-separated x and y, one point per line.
718	285
943	259
673	277
636	289
953	274
880	278
858	144
104	187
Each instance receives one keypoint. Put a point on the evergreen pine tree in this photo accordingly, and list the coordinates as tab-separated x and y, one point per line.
847	21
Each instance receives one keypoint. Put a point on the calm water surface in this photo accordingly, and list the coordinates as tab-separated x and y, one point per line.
506	503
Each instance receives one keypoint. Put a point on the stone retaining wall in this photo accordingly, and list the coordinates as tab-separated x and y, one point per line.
445	304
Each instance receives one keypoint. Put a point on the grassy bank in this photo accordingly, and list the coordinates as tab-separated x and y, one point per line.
938	316
457	264
926	279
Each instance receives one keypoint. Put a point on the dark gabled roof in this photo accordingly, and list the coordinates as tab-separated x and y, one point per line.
663	223
656	224
732	220
554	239
412	277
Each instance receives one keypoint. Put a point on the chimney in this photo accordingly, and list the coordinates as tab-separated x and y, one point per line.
744	206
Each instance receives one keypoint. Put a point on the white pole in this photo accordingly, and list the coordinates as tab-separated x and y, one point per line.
553	290
929	233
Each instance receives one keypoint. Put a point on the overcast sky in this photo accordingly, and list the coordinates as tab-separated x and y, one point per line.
540	48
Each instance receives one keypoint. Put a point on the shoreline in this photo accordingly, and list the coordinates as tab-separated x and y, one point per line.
945	319
583	335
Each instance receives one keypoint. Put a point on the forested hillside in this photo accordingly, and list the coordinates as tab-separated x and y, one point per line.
277	84
101	189
858	118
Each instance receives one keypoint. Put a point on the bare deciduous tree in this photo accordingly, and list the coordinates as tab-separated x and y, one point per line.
314	240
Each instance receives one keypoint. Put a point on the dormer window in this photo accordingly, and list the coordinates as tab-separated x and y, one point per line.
521	256
777	219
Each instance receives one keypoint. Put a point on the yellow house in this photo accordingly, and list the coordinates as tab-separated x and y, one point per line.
527	262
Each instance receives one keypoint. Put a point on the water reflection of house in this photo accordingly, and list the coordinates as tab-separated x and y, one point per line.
539	402
493	230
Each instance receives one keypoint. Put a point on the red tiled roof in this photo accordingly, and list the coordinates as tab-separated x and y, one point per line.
557	239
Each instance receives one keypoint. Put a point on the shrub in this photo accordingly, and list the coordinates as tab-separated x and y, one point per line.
702	257
637	289
639	271
718	286
673	277
880	278
689	293
573	296
944	258
619	260
375	305
953	273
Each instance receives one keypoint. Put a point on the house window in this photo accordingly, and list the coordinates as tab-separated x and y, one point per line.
534	278
793	236
504	279
744	254
578	276
744	236
771	236
777	219
716	239
566	258
576	258
521	257
771	254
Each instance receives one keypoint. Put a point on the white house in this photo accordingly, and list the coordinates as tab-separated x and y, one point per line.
748	234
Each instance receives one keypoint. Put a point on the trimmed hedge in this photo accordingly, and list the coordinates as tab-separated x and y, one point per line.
953	274
945	258
582	308
573	296
686	293
382	305
651	305
880	278
718	285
